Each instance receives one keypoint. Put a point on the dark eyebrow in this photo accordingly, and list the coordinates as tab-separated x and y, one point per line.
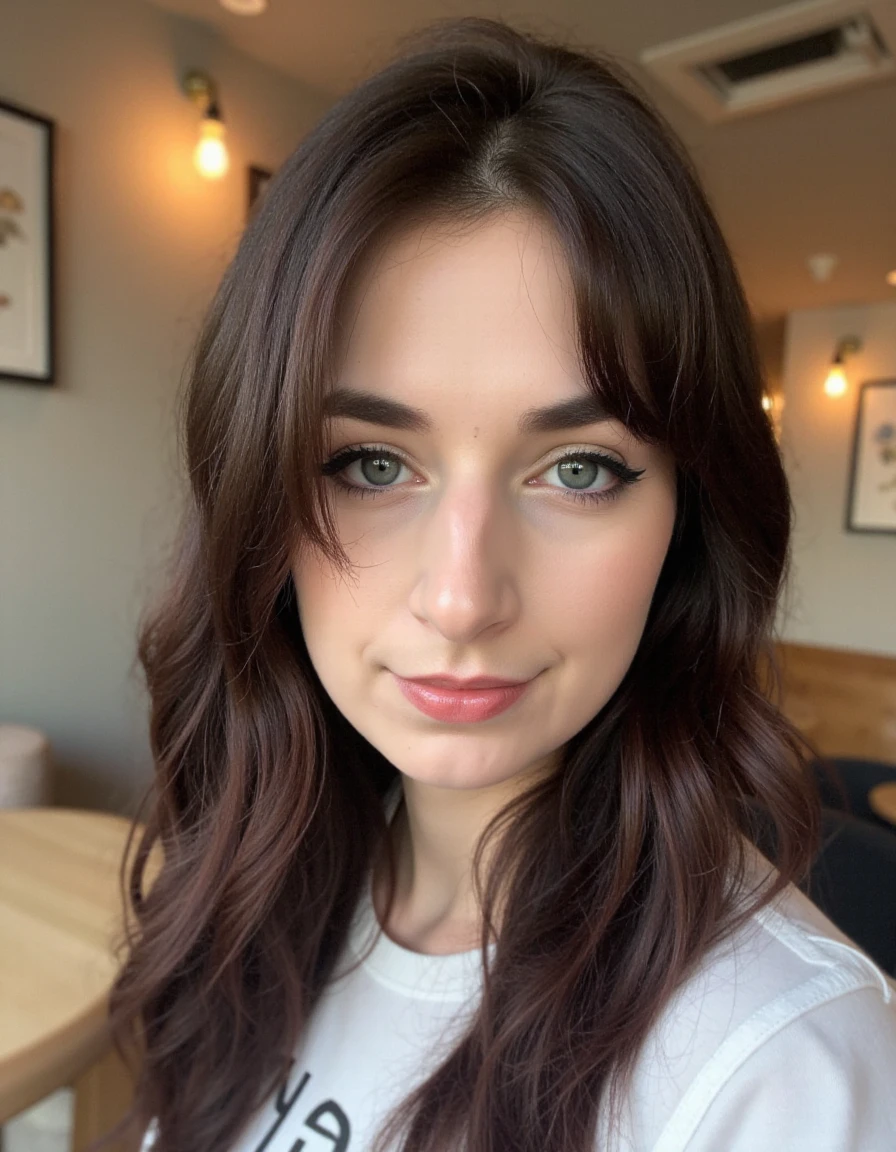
573	413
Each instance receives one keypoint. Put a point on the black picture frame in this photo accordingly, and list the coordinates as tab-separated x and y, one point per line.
27	238
258	180
871	501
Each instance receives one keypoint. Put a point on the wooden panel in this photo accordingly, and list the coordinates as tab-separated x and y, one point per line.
844	701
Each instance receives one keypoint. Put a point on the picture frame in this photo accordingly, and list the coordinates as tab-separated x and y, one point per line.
258	180
27	240
871	503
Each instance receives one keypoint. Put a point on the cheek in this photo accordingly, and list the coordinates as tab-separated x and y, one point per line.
601	608
322	617
339	616
331	604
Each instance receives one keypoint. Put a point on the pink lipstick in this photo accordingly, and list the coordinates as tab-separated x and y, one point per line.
460	705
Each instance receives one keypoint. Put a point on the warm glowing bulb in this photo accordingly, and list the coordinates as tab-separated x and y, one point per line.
766	402
835	385
210	155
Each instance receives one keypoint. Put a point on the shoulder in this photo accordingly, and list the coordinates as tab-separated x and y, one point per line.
785	1036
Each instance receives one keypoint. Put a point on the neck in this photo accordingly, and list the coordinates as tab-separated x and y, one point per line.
434	836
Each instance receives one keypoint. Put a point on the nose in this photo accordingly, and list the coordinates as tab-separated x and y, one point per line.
469	565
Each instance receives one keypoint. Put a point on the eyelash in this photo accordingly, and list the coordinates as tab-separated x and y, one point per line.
625	475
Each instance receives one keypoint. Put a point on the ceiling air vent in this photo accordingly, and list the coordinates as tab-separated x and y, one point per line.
793	53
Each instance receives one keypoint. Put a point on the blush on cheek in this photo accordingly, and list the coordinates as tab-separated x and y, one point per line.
606	611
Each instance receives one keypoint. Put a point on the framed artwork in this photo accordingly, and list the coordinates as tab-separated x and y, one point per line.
259	178
26	246
871	506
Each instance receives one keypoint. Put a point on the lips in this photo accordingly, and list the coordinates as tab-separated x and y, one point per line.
466	704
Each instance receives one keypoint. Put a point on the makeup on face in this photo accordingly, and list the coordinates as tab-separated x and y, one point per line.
499	521
461	706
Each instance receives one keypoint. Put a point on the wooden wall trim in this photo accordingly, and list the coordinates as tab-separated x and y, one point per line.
844	701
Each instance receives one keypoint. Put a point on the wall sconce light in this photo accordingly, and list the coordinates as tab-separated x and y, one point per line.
836	382
210	154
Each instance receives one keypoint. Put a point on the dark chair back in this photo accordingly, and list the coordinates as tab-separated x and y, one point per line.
852	879
844	783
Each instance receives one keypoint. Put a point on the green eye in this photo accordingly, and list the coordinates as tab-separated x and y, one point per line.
388	463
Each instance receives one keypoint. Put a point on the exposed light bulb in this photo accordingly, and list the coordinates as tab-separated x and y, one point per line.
835	385
891	278
210	154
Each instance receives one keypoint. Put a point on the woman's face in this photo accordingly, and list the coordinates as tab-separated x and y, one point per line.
484	544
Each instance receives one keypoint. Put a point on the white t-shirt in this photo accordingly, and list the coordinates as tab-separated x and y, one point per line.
784	1039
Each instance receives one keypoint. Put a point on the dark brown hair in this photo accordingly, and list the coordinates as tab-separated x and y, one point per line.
621	870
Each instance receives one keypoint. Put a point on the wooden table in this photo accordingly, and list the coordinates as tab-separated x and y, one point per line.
60	919
882	799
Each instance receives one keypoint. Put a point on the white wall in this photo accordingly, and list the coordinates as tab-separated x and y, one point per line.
843	588
89	469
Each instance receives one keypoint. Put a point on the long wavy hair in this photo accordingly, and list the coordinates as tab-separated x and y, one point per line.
618	873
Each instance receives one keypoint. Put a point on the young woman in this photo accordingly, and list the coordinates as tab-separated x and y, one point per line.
461	691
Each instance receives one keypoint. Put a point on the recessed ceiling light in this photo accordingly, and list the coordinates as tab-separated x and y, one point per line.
245	7
891	278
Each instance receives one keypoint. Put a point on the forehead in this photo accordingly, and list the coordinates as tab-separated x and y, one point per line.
457	312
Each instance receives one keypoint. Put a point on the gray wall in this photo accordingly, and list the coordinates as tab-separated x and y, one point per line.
843	590
89	468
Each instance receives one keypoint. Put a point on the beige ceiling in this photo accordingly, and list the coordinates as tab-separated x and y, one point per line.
816	176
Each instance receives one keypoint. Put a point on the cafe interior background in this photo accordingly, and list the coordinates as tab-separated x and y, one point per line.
795	148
